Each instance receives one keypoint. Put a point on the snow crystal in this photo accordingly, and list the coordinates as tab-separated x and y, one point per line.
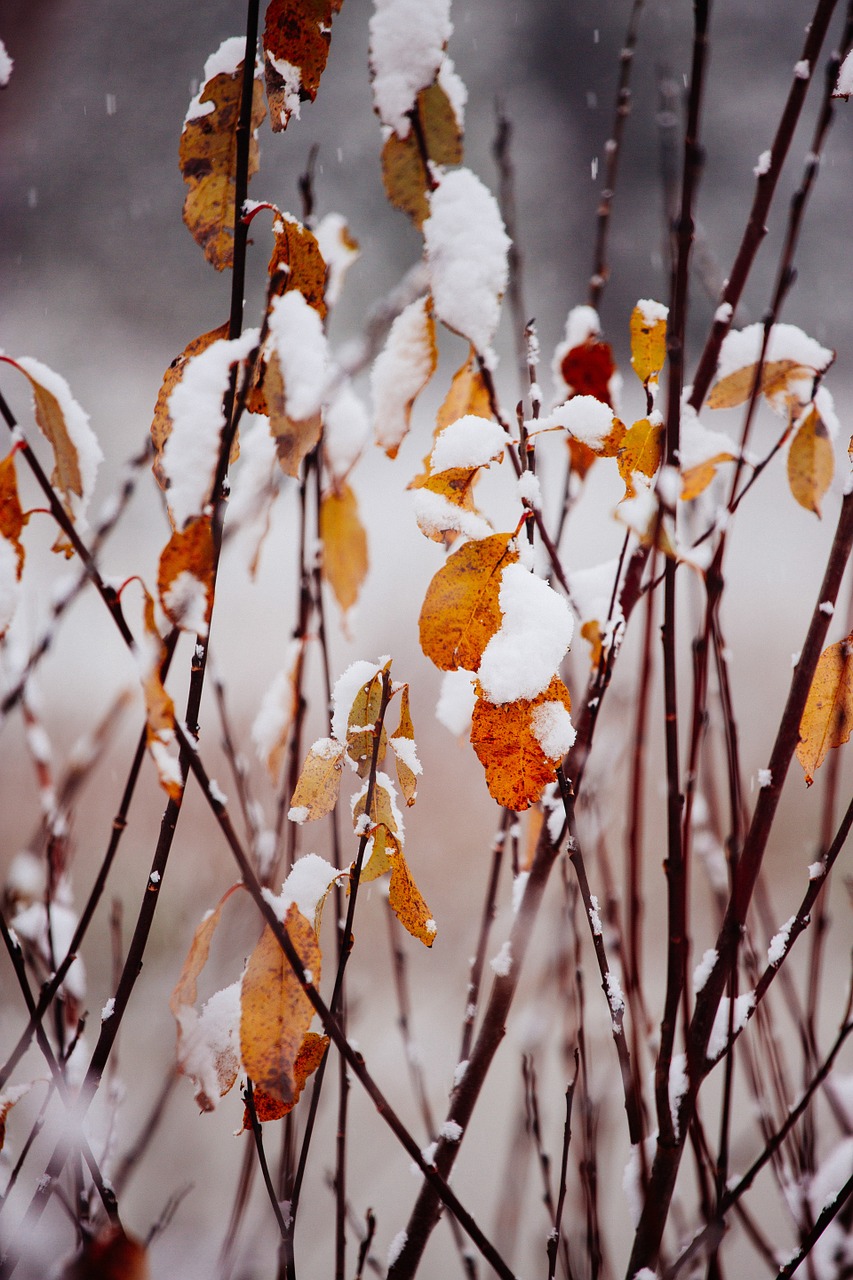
83	438
346	430
450	1131
406	751
529	489
584	417
678	1083
459	1073
645	1273
779	942
723	314
430	926
703	970
224	61
765	777
216	792
191	451
400	371
154	878
7	63
470	441
298	813
615	998
456	702
186	600
652	311
816	870
501	964
339	252
844	83
436	514
344	693
407	39
594	917
466	251
522	657
296	331
10	587
455	89
108	1009
632	1187
763	164
291	76
396	1247
306	886
553	729
720	1031
802	69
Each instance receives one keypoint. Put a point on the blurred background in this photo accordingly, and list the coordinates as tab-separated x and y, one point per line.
100	280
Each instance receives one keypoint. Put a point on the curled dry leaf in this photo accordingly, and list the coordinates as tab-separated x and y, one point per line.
208	161
275	1012
308	1059
811	462
296	45
316	792
828	715
161	426
435	139
461	613
185	576
344	542
517	767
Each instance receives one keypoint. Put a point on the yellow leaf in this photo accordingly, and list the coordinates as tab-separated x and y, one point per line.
828	715
467	395
461	613
403	169
381	814
503	736
161	426
208	161
344	545
695	480
185	576
648	341
294	438
182	1004
296	45
591	631
296	249
276	1013
316	792
811	462
268	1107
736	387
642	450
407	903
361	724
405	753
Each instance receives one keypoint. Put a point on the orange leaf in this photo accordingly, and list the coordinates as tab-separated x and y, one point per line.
185	576
461	613
296	249
12	518
407	903
296	45
588	368
591	631
161	426
294	437
642	450
695	480
208	162
505	740
648	340
159	708
828	714
811	462
111	1255
316	792
268	1107
467	395
344	545
276	1013
405	752
404	173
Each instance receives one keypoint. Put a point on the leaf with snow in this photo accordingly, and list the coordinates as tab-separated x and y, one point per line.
296	378
208	152
384	819
811	461
648	339
407	161
642	450
339	249
185	576
271	726
12	521
700	451
362	721
161	426
467	252
76	452
7	1101
159	708
520	743
346	431
525	652
199	1054
828	714
402	742
583	364
401	371
461	450
589	421
792	363
319	783
296	41
297	257
344	542
308	1059
407	41
275	1012
461	613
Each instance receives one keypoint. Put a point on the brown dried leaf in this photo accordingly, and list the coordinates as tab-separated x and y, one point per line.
460	613
467	394
403	745
208	161
344	545
161	426
297	251
648	346
404	172
517	768
407	903
294	438
361	724
828	714
316	792
276	1013
268	1107
185	576
811	462
297	33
